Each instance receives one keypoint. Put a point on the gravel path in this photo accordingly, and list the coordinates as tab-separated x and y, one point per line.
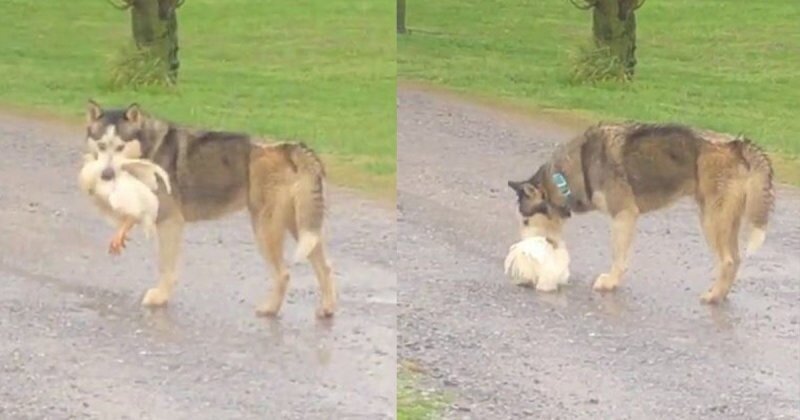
650	351
74	342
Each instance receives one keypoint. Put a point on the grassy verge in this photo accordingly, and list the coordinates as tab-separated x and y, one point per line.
730	67
414	404
321	71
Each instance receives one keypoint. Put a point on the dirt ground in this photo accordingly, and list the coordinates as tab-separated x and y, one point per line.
74	342
649	351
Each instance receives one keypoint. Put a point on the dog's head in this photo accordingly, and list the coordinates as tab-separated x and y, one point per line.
113	135
539	212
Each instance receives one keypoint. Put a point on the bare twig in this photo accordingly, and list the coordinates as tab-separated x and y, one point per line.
126	4
587	4
639	4
171	4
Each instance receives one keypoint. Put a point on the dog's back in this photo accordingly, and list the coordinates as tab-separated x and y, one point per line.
208	171
660	163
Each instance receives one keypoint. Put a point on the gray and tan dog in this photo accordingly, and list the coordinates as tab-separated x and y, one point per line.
214	174
626	170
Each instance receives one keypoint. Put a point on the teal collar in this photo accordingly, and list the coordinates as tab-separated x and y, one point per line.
560	182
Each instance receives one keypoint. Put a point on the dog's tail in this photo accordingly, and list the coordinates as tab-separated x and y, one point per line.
759	193
309	198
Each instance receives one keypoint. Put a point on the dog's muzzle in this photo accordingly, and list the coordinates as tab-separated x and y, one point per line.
107	174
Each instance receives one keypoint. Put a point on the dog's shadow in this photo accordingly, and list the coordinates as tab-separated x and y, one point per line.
324	341
555	299
721	316
161	322
321	338
614	305
559	298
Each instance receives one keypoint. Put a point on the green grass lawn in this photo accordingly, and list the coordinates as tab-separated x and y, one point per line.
725	65
413	404
316	70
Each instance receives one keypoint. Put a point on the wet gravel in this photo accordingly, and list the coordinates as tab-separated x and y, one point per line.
74	342
649	351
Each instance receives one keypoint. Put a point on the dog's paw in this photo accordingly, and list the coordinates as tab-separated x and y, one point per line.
268	310
713	296
605	283
324	311
155	297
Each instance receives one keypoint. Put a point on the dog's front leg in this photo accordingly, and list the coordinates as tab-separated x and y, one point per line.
623	227
170	235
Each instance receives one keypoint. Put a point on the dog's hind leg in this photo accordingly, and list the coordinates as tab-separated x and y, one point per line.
309	213
170	235
269	230
721	219
327	286
623	227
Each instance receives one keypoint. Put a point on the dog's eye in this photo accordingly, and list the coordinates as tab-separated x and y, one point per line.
120	147
101	146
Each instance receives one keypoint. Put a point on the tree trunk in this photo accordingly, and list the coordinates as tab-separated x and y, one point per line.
401	16
614	27
155	28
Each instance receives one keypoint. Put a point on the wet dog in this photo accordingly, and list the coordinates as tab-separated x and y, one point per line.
629	169
214	174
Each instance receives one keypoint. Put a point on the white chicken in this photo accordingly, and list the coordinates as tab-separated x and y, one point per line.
128	198
536	260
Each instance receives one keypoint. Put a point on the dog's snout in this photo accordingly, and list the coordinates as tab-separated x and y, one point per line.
107	174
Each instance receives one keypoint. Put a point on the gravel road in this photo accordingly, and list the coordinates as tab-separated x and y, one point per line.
649	351
74	342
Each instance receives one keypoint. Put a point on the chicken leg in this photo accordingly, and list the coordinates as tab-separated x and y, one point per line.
118	241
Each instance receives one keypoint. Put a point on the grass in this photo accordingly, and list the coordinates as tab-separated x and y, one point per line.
412	403
315	70
729	66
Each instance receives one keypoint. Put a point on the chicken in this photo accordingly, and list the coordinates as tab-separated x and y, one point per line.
538	261
128	198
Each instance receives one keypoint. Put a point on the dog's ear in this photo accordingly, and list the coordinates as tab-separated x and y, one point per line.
529	189
93	111
523	187
133	113
516	186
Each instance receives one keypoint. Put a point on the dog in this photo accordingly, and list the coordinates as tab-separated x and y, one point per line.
126	199
214	174
629	169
